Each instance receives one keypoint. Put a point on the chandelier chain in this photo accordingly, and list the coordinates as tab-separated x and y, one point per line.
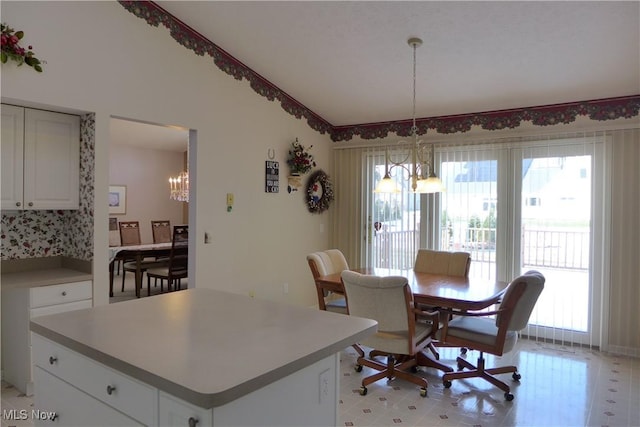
414	129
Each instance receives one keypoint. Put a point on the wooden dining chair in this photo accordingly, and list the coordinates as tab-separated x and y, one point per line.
178	264
114	240
129	233
161	231
129	236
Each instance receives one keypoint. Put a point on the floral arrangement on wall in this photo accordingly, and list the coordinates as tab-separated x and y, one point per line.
11	49
300	161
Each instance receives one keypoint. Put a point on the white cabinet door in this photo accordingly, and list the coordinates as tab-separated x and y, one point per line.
12	155
175	412
51	160
17	308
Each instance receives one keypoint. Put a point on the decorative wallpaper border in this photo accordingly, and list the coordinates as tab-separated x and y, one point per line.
547	115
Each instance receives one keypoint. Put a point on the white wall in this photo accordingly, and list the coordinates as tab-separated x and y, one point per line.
102	59
145	172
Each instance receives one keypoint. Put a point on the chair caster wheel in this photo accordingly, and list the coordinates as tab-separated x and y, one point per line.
463	350
446	384
423	392
460	367
508	397
358	368
363	391
516	376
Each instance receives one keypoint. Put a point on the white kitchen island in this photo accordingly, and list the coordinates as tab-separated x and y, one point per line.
197	357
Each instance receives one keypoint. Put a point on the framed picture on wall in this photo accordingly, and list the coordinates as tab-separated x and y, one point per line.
117	199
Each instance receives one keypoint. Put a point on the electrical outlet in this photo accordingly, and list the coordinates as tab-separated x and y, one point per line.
323	384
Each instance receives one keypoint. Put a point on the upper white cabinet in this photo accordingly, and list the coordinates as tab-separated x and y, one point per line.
40	159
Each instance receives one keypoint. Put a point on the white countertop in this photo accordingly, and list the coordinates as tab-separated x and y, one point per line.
204	346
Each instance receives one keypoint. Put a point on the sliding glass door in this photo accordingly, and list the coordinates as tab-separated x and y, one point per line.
554	217
393	222
523	207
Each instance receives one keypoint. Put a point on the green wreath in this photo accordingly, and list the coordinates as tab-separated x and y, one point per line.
319	192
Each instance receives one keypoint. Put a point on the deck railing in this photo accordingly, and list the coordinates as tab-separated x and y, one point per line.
540	247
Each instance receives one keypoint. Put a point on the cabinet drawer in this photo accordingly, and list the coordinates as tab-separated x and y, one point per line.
59	308
61	404
59	294
133	398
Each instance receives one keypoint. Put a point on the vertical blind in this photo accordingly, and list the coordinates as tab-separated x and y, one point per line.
560	204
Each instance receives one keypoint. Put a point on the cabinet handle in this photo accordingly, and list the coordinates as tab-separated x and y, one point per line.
110	390
64	293
30	203
52	360
18	204
193	422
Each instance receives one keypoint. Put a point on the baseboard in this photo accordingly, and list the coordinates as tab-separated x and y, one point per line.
624	351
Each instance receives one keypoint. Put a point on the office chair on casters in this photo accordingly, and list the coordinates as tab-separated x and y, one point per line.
330	298
389	301
496	336
323	263
447	264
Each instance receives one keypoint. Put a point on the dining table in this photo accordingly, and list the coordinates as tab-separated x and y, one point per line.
435	290
137	253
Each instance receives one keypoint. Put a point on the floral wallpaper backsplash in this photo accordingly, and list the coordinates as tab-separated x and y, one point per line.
40	233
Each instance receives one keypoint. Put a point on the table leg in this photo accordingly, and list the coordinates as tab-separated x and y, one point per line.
138	274
111	266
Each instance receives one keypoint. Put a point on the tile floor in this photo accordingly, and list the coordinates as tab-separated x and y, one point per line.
560	386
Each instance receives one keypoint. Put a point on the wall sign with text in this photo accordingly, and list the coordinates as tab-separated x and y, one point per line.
272	177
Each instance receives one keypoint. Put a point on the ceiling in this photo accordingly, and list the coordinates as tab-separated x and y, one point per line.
350	63
156	137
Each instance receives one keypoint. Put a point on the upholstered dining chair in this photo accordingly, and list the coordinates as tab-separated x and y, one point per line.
178	264
445	263
389	301
482	332
323	263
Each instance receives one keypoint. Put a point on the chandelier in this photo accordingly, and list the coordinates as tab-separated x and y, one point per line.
419	161
179	187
